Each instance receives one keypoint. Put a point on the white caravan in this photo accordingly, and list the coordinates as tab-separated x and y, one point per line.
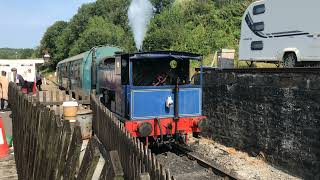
284	31
22	66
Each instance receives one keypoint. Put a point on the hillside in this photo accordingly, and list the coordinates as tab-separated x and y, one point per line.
10	53
198	26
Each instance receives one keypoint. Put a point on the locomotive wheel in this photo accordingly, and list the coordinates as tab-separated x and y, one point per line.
196	135
183	138
289	60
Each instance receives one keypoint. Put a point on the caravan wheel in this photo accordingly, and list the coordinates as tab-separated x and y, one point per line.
289	60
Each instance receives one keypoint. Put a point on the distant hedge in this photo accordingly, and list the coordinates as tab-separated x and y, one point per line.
9	53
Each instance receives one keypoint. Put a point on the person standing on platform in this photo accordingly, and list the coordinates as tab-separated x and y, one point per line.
39	81
4	85
18	79
30	80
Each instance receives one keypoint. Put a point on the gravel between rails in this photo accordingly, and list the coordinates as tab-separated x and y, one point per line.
182	168
238	162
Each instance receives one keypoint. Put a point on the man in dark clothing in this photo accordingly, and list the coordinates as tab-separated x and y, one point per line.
18	78
39	81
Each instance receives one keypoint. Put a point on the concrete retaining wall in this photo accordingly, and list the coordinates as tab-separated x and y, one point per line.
274	114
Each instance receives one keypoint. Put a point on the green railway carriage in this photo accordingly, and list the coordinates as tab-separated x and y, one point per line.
79	73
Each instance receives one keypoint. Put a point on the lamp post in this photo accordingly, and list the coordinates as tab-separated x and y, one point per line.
46	58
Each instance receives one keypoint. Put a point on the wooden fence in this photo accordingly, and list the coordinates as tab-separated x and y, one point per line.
48	148
55	98
137	160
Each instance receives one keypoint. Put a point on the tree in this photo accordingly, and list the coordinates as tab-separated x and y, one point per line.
49	40
10	53
79	22
114	10
159	5
99	31
26	53
201	26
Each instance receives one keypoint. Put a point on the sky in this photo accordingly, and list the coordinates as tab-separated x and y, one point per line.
23	22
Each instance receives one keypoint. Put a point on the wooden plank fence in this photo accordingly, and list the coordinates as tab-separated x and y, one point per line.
137	160
54	99
48	148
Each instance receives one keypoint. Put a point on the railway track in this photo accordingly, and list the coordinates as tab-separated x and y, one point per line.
204	162
184	163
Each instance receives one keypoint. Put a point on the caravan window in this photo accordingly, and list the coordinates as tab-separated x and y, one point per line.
256	45
259	9
259	26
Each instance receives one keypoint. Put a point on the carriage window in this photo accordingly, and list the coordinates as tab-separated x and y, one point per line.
108	64
256	45
66	71
76	70
259	26
71	70
259	9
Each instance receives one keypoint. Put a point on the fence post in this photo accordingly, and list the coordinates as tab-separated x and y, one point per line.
73	154
90	160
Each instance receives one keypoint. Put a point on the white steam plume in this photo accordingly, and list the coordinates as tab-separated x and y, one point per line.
140	12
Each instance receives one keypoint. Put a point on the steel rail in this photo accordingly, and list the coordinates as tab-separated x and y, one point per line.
205	162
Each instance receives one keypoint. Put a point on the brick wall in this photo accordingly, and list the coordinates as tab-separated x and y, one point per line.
272	113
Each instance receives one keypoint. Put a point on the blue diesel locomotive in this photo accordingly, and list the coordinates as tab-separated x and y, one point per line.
153	93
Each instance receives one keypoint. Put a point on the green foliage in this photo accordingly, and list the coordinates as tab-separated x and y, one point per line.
197	26
8	53
114	10
201	26
98	32
159	5
50	41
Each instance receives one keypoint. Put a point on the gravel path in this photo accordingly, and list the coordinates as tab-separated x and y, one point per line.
7	165
8	170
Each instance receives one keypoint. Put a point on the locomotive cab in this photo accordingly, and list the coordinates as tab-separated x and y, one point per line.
160	73
154	92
